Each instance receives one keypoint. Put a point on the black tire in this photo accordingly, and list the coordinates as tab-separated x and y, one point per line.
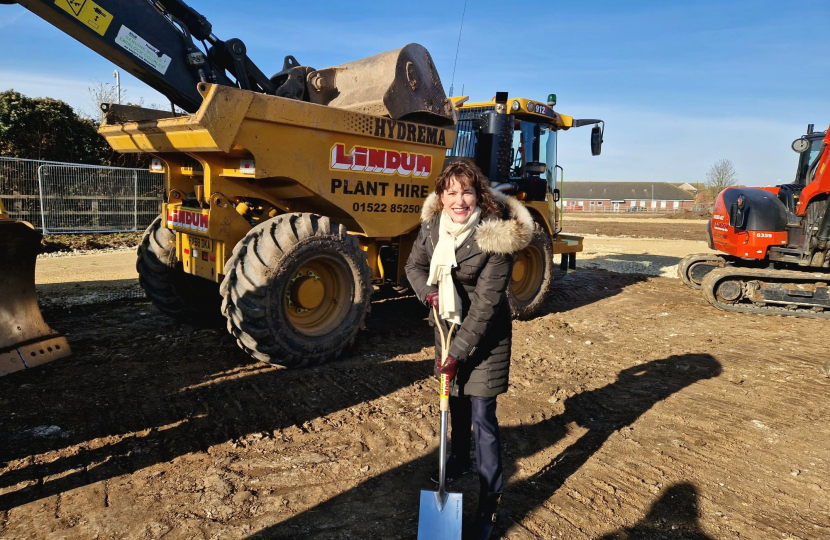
264	273
184	297
533	274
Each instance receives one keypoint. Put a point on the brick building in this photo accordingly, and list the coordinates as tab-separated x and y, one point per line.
626	197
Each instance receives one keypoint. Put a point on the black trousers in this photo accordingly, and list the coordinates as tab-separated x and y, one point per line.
467	412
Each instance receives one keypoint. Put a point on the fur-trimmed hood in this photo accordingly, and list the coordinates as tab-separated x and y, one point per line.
494	233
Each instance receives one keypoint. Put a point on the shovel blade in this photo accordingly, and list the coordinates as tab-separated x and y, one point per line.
435	524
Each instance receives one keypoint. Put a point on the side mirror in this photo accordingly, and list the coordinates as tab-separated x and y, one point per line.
596	141
737	216
801	145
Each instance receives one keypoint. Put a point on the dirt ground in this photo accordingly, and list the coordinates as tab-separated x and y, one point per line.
61	243
636	227
635	411
704	215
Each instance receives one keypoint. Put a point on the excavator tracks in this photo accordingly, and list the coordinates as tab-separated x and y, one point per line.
693	268
765	291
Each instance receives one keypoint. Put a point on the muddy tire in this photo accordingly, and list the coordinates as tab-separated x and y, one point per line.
533	274
297	290
184	297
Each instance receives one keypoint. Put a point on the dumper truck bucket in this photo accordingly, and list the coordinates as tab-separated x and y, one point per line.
25	339
402	84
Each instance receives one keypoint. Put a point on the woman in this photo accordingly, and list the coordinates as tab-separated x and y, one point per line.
461	265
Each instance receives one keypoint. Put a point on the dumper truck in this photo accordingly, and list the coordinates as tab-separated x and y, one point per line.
288	198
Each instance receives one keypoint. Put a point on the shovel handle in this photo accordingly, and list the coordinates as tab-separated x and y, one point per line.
444	390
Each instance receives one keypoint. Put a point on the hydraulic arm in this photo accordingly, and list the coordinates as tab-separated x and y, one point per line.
156	42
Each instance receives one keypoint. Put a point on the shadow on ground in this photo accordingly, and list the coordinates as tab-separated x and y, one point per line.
386	506
674	516
87	292
141	389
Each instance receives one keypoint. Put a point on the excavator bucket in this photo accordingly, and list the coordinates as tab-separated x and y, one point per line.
25	339
402	84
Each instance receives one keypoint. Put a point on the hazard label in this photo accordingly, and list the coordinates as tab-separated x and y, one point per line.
88	12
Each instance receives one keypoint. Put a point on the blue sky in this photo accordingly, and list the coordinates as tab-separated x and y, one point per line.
680	85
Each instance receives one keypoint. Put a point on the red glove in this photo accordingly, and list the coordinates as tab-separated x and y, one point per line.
449	368
432	299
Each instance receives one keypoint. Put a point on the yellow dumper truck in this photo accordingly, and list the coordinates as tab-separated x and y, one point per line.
297	209
288	198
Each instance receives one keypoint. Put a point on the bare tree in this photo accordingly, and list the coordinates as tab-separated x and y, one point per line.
721	176
102	93
107	93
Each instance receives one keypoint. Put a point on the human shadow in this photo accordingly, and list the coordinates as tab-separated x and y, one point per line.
385	507
602	411
674	516
141	390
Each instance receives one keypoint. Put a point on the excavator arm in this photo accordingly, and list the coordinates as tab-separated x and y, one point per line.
155	41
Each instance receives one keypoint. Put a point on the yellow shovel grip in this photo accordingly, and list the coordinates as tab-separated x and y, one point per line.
444	390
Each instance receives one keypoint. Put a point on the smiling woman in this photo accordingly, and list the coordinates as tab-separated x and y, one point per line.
459	201
460	266
461	181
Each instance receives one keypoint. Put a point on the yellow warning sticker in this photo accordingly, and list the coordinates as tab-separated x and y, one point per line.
88	12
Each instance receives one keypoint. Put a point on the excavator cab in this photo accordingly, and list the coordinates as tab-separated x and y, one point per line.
809	147
25	339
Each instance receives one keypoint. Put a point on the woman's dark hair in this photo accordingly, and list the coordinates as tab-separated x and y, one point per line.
468	174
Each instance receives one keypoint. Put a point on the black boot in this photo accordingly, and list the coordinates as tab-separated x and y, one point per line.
488	505
455	470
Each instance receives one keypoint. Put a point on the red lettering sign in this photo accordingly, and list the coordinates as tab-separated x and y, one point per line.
187	220
407	164
393	161
423	166
378	160
339	159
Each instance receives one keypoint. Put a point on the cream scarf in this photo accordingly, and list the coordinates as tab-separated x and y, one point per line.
450	236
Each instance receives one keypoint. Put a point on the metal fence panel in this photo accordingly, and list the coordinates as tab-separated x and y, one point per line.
72	198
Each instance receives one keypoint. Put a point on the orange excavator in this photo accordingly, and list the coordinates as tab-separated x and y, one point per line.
774	243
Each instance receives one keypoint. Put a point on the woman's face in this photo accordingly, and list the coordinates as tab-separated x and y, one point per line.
459	201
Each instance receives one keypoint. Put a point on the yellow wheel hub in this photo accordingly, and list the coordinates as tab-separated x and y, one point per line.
317	296
519	271
308	292
528	274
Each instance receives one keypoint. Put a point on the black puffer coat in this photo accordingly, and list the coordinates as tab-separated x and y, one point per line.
485	260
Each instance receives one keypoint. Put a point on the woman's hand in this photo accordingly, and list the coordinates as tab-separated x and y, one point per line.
449	368
432	300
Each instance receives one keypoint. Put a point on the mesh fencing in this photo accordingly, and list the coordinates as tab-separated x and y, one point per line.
71	198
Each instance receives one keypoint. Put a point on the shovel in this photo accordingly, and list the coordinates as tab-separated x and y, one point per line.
441	512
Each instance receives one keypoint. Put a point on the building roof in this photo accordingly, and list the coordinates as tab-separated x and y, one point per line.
620	191
690	186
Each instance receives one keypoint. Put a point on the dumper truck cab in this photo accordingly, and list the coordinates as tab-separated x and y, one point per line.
514	141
